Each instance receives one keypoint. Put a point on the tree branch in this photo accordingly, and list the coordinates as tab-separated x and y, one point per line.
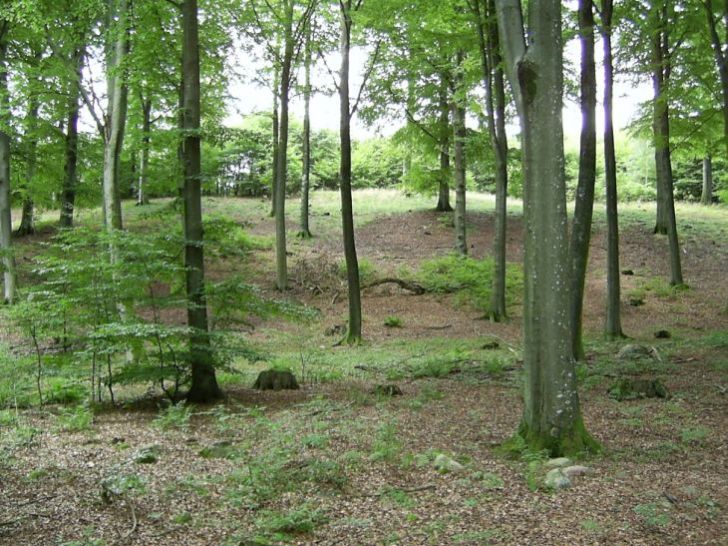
367	75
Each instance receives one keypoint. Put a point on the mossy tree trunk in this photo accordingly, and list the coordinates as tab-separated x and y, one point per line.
459	136
706	197
443	190
68	192
6	226
552	415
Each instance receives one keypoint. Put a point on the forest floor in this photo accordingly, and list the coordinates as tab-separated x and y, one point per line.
337	463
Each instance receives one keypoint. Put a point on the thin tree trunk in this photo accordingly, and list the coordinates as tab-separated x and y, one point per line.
304	231
613	325
68	193
584	207
721	57
552	415
276	127
146	140
443	198
661	129
354	333
116	122
706	197
282	162
459	134
8	261
495	118
27	223
204	387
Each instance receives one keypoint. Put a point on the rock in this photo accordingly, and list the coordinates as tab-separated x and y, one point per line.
276	380
663	334
556	479
558	462
219	450
446	464
147	454
577	470
629	389
627	272
117	440
387	390
634	352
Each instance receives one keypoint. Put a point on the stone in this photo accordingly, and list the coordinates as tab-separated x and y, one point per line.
446	464
634	352
663	334
577	470
627	272
556	479
276	380
147	454
630	389
558	462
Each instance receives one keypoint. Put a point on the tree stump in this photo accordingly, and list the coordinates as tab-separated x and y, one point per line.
276	380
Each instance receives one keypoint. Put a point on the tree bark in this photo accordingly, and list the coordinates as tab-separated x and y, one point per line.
459	134
552	416
68	193
706	197
613	325
720	52
354	333
116	119
27	220
304	231
490	57
146	140
443	198
8	261
661	131
204	387
276	126
584	207
282	150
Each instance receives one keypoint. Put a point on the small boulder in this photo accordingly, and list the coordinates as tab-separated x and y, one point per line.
634	352
558	462
147	454
446	464
557	479
577	470
629	389
276	380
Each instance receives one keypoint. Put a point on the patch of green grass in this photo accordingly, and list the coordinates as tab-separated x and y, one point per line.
282	525
393	322
76	419
654	514
489	480
590	525
387	446
173	417
694	434
399	497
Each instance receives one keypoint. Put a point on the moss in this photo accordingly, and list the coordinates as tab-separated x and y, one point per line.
572	442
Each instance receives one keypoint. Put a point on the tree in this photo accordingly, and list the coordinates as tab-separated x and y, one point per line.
304	231
6	227
459	136
552	416
584	208
720	52
204	387
613	325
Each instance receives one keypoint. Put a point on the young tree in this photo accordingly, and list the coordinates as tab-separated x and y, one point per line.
552	416
304	232
459	136
204	386
584	207
720	52
6	227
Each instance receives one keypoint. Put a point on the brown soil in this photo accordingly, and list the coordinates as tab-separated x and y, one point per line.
657	483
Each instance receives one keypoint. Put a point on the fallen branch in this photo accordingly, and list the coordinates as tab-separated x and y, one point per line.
411	286
133	519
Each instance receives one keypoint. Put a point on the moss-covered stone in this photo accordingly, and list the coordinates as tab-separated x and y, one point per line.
276	380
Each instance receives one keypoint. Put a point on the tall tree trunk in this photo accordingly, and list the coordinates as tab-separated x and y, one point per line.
443	197
6	227
27	221
304	231
720	52
661	131
276	127
146	140
613	325
68	193
706	197
584	207
493	83
353	334
116	119
459	134
282	162
552	416
204	386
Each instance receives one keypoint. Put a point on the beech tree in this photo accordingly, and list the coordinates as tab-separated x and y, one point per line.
6	227
552	415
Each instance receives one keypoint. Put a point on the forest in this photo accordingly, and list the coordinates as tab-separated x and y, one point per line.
363	272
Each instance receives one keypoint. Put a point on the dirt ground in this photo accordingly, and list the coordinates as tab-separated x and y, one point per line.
662	478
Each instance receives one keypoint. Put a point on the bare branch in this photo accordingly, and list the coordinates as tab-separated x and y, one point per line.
367	75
